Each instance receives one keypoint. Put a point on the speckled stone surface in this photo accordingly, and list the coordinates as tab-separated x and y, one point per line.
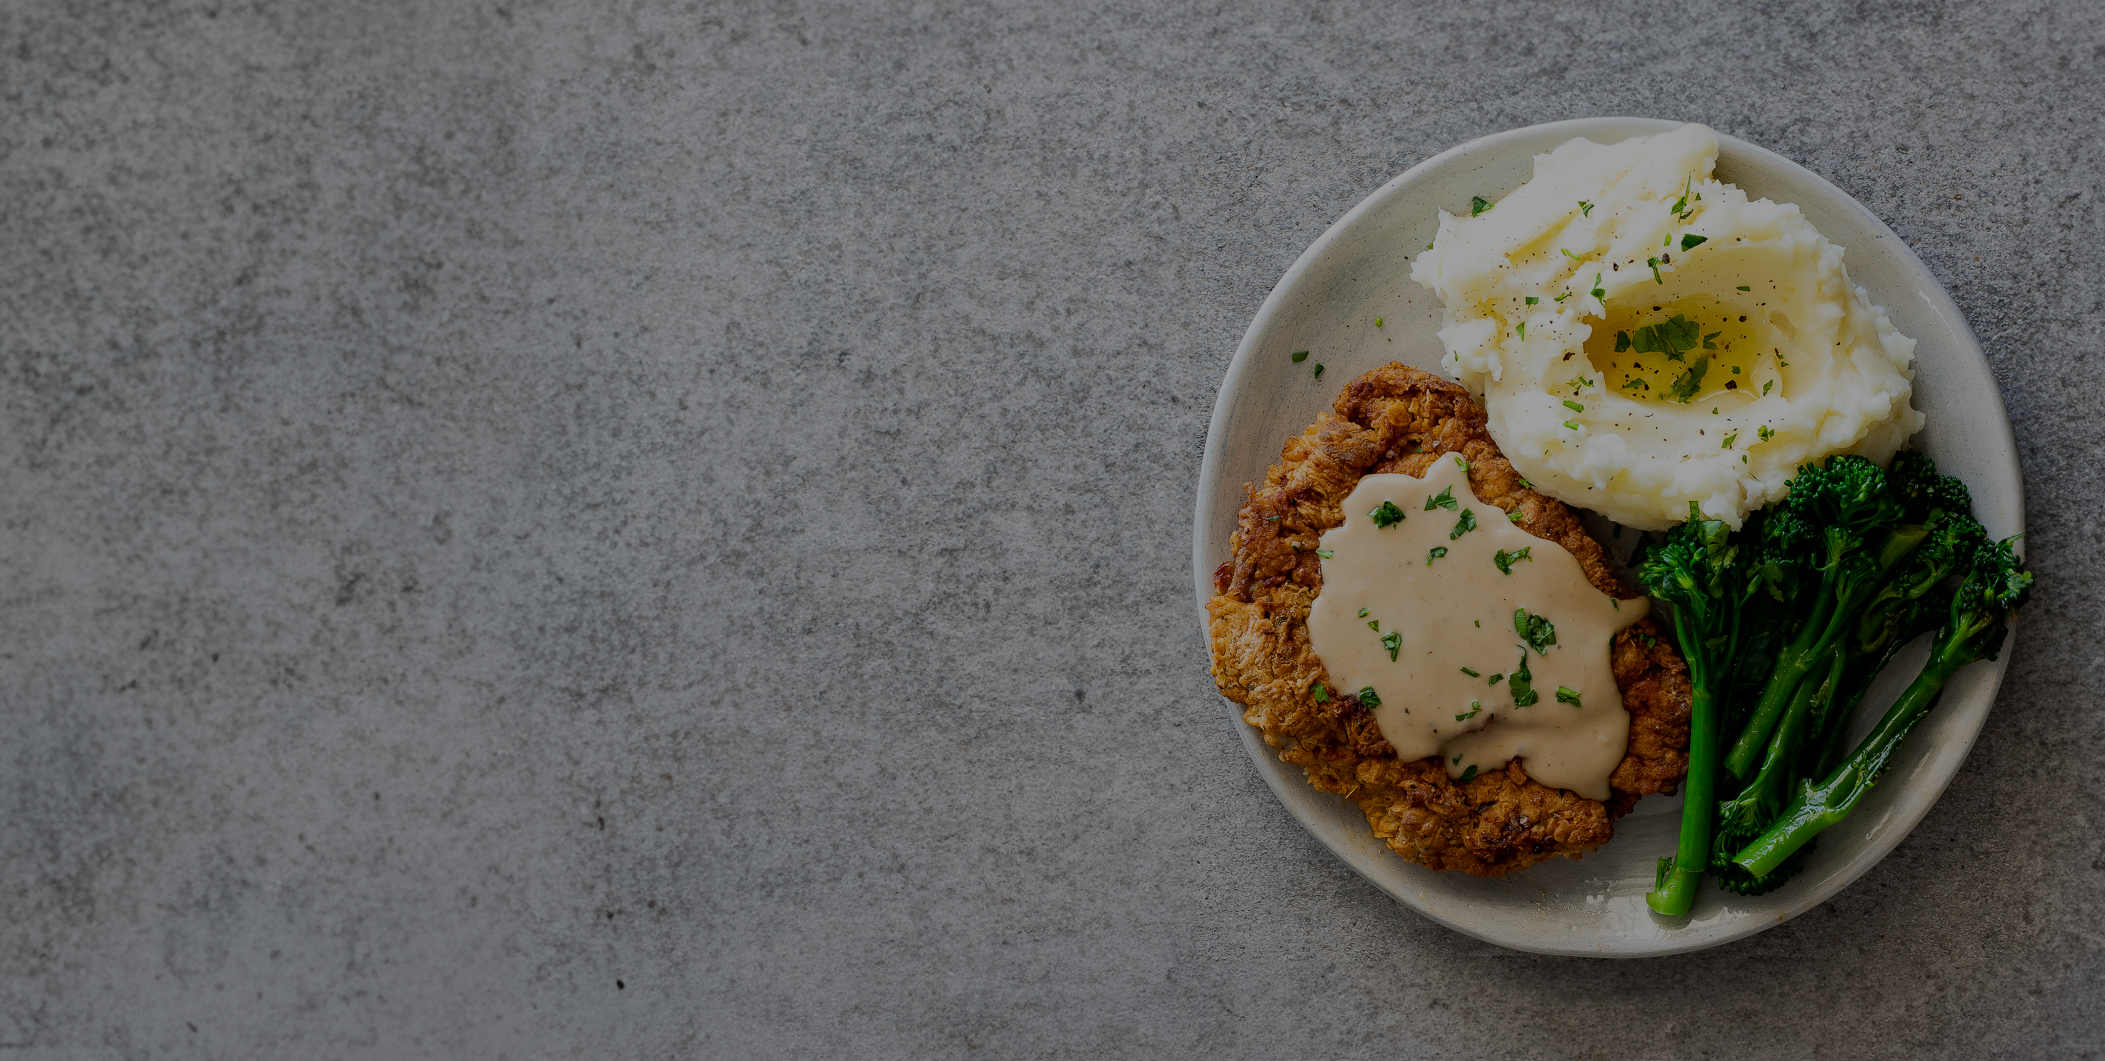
662	531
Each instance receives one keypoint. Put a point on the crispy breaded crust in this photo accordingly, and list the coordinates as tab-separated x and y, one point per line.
1400	419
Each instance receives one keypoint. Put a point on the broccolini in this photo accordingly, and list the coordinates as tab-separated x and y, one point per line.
1974	628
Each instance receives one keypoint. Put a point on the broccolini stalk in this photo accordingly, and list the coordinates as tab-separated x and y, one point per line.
1867	659
1849	577
1904	607
1695	571
1746	815
1839	521
1855	674
1763	630
1974	629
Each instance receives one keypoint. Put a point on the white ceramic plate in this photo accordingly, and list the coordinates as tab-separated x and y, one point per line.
1360	269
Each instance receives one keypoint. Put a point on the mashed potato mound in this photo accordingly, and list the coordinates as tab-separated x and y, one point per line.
1644	336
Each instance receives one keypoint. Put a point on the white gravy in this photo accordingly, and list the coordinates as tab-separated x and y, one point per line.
1458	612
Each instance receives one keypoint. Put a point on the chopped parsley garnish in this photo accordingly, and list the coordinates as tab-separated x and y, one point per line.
1515	517
1521	329
1537	631
1459	462
1469	774
1471	673
1585	208
1685	385
1764	433
1765	388
1326	553
1443	499
1434	553
1367	696
1392	641
1525	485
1710	343
1464	525
1653	264
1688	240
1363	613
1599	292
1377	322
1504	560
1532	300
1567	696
1570	426
1681	207
1730	439
1476	707
1674	337
1321	694
1567	253
1574	406
1744	287
1374	625
1478	204
1319	372
1495	679
1299	356
1634	384
1388	515
1522	684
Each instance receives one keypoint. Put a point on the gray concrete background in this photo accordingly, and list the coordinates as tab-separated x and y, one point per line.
661	529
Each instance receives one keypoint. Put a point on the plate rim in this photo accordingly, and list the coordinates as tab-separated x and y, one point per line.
1206	515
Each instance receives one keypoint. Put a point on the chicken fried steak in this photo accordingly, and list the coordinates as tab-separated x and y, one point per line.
1400	419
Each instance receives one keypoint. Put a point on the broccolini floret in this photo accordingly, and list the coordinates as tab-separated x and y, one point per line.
1921	491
